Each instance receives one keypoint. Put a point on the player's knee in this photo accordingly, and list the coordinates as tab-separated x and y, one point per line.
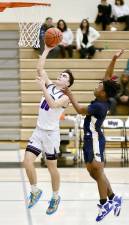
96	173
52	163
93	175
25	162
29	159
53	170
93	171
28	162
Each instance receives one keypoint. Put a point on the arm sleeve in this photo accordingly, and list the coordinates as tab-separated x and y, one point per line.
94	109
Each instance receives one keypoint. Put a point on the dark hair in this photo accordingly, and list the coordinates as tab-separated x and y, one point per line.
48	18
111	88
87	28
121	2
45	26
71	77
65	25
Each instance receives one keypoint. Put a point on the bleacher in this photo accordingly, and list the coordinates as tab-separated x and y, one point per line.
87	74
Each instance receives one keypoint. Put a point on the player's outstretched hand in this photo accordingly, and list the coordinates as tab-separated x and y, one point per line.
119	53
66	91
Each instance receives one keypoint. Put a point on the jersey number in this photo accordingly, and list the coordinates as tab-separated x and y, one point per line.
45	105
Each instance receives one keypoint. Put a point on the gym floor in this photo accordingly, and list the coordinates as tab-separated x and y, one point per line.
79	195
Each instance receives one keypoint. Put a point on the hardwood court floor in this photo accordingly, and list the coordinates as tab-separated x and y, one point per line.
79	195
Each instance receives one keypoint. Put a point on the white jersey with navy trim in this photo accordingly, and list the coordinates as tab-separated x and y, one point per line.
48	118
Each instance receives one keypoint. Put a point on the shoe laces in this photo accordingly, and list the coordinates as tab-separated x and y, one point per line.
52	203
31	196
116	199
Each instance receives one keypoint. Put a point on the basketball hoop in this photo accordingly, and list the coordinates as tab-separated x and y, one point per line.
29	34
29	27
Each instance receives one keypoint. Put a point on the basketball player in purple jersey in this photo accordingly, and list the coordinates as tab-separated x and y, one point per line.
46	136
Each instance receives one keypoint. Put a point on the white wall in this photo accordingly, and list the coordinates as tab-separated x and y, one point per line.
69	10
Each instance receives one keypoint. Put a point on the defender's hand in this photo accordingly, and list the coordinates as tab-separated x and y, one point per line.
67	91
119	53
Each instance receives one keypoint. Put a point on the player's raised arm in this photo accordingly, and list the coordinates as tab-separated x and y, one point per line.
61	102
41	64
79	108
110	68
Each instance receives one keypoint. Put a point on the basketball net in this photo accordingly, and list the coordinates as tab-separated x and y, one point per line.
29	34
29	28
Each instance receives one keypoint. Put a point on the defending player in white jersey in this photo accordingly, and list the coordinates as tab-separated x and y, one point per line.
46	136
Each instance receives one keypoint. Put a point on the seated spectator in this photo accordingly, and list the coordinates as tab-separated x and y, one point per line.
120	12
85	36
104	14
66	44
46	25
123	97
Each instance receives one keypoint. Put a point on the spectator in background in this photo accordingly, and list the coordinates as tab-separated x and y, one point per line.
122	97
120	12
66	44
46	25
85	36
104	15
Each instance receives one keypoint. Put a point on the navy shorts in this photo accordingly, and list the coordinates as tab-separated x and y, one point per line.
93	148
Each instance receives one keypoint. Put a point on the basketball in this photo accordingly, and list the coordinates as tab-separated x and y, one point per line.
53	37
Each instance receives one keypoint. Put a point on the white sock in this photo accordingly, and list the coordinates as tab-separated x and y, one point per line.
34	188
55	194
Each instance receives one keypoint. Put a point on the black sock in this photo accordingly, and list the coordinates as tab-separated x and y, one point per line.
111	196
103	201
